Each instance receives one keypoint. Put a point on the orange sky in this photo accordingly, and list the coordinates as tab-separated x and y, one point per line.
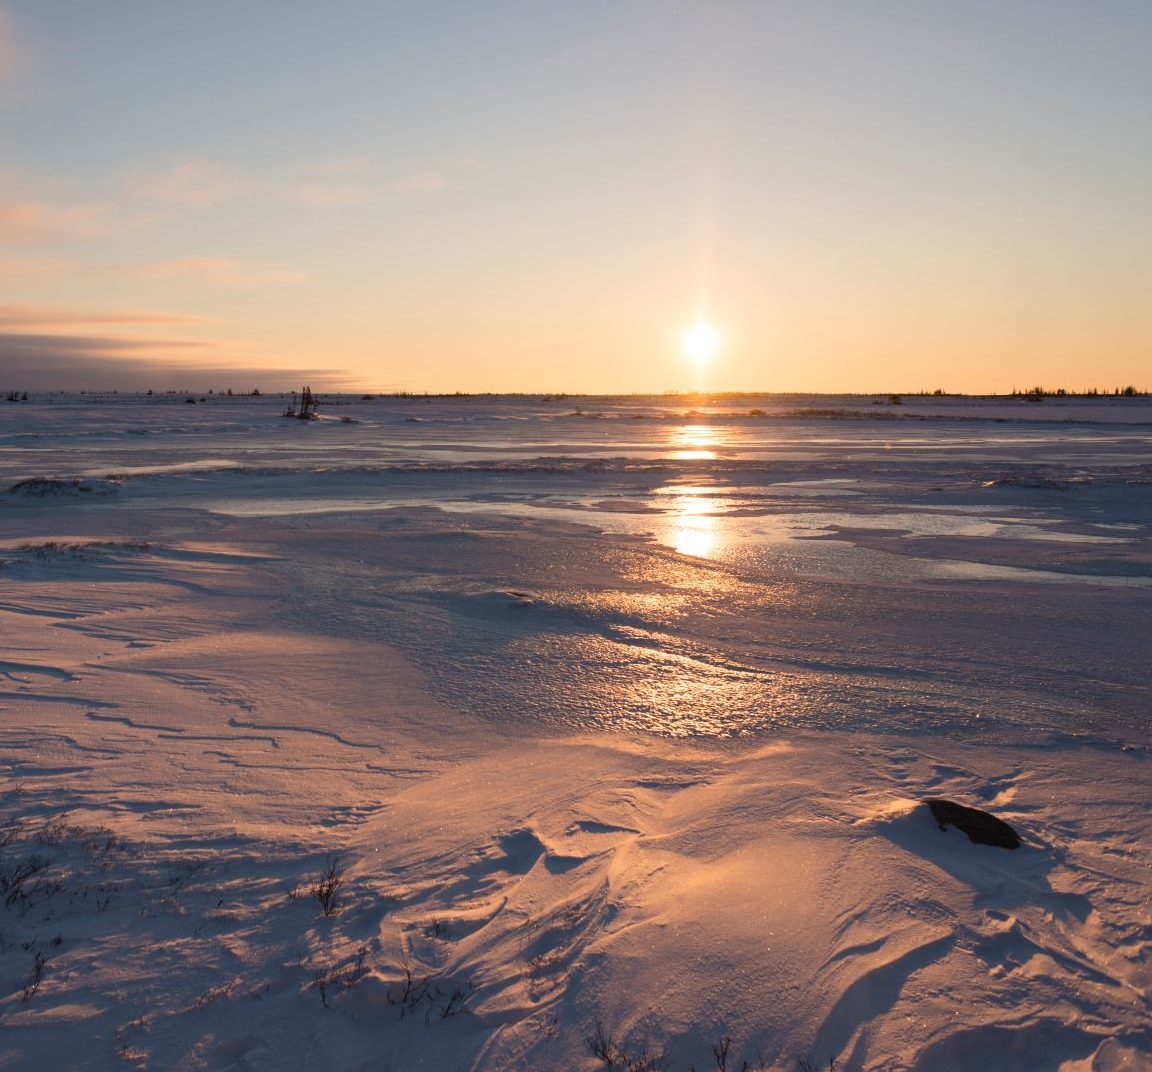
530	197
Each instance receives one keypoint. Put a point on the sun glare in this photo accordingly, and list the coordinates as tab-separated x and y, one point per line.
700	343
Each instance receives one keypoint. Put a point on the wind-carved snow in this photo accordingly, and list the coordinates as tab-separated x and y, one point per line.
442	765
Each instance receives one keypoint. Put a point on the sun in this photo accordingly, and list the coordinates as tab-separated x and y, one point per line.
700	342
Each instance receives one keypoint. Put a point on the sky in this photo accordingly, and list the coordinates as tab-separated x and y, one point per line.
537	195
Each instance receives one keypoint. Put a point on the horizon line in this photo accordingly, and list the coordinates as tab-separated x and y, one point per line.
369	394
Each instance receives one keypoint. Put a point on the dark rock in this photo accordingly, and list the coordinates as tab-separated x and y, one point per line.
47	487
41	486
980	826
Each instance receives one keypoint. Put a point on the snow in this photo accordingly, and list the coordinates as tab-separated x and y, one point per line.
601	741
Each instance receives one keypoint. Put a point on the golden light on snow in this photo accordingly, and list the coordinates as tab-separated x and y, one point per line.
700	342
695	442
693	521
695	528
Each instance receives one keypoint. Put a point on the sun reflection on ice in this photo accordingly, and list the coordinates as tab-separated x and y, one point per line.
693	524
696	442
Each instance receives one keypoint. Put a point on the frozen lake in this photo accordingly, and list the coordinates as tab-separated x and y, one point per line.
714	567
605	711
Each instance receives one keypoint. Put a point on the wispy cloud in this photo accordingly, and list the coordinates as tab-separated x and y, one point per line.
221	271
50	316
35	359
27	271
29	214
75	362
32	343
31	220
194	182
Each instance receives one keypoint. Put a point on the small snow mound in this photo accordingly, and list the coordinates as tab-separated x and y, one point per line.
1114	1054
521	849
54	487
81	550
518	851
889	812
511	598
1026	480
1041	1043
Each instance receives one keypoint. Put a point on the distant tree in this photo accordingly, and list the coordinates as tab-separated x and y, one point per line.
306	410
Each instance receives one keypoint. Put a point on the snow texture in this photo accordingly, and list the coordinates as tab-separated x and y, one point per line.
533	734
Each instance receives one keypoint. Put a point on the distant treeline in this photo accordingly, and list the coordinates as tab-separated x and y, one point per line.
22	396
1035	394
1031	394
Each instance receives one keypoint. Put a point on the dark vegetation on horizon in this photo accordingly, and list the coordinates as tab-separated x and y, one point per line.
303	403
1038	393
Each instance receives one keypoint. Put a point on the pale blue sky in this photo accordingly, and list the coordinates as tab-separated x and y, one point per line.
532	195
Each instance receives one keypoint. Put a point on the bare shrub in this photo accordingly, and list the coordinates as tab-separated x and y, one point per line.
15	878
808	1064
35	977
439	998
337	978
604	1047
327	887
